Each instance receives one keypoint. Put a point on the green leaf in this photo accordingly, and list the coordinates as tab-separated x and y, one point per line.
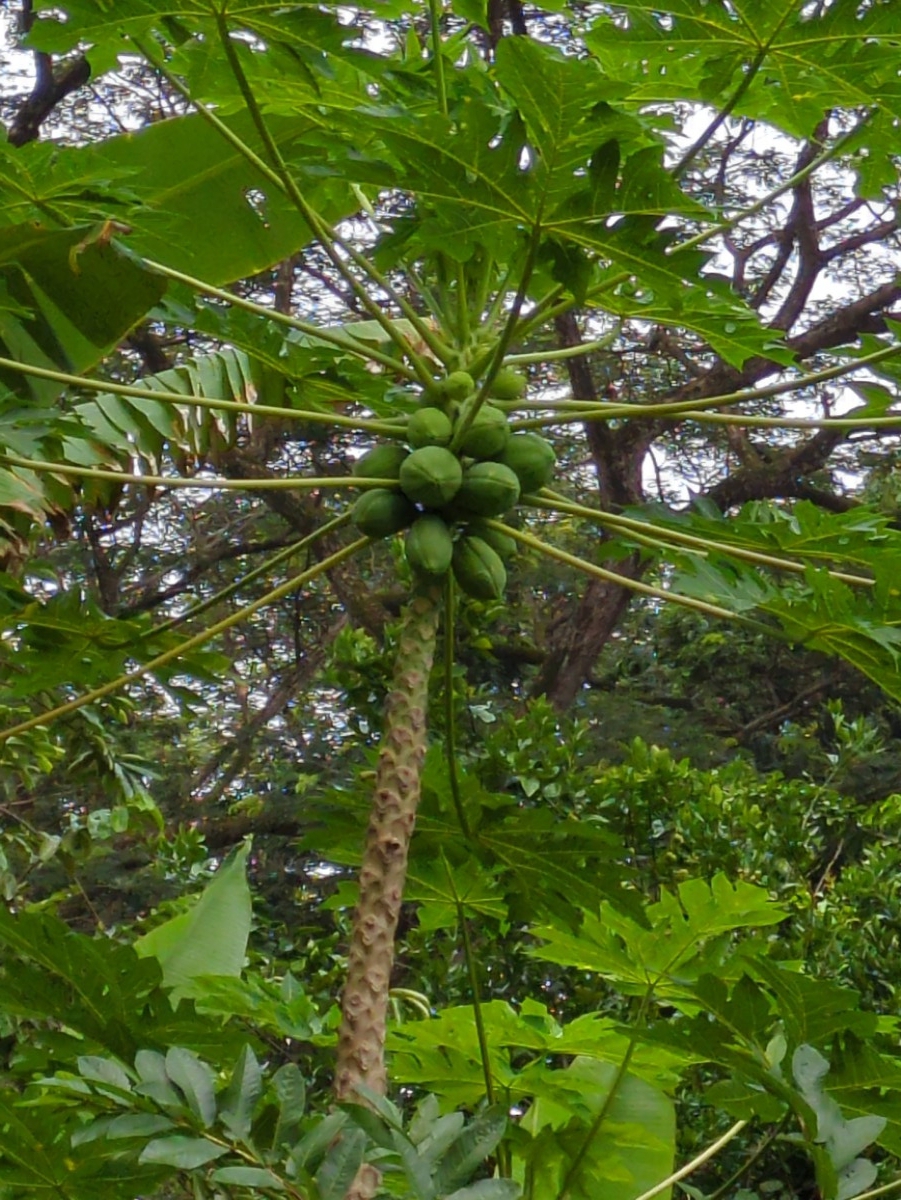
240	1097
813	1010
185	1153
103	1070
249	1177
341	1164
470	1148
196	1082
812	62
843	1140
685	938
290	1088
445	892
60	282
444	1054
631	1150
218	219
317	1140
192	200
128	1125
488	1189
474	11
209	939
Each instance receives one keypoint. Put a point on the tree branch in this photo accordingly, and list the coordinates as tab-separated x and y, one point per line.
51	87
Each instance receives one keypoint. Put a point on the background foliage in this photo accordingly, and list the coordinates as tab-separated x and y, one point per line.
651	911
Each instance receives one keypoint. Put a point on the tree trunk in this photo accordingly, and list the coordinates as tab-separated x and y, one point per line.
364	1005
582	636
618	454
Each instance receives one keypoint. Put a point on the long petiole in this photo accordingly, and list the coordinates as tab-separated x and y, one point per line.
344	341
282	483
634	585
462	304
263	569
724	226
500	348
329	238
684	408
188	400
698	1161
564	352
450	712
437	56
192	643
641	532
744	83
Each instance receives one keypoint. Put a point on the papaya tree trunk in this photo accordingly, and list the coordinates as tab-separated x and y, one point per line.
364	1005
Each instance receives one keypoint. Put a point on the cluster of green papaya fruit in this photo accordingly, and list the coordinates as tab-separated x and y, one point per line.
455	471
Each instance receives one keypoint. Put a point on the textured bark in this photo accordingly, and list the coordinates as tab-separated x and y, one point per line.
364	1005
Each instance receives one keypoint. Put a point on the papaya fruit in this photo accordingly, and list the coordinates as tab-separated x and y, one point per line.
508	385
458	385
429	427
381	462
478	569
502	544
379	513
531	459
487	435
452	388
431	476
488	489
429	545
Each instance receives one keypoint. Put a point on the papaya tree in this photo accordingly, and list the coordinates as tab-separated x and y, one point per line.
523	241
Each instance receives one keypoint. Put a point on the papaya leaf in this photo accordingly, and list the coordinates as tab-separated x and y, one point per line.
445	891
60	282
809	65
444	1054
688	936
631	1150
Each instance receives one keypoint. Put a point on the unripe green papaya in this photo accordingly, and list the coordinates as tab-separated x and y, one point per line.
379	513
531	459
488	489
458	385
429	545
509	384
429	427
478	569
487	435
452	388
503	545
431	476
381	462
